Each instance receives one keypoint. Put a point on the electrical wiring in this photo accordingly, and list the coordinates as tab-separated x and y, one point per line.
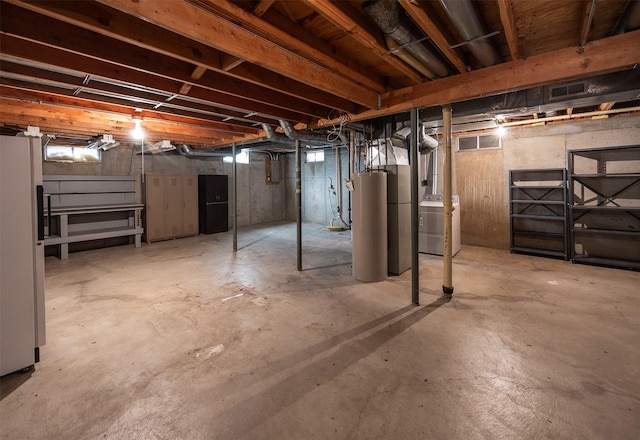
336	132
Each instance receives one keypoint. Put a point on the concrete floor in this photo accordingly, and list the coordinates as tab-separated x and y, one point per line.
186	340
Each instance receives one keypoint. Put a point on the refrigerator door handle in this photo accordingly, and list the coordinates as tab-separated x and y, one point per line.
40	206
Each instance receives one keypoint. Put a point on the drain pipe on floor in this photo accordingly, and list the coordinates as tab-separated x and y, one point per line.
447	285
413	161
299	204
235	198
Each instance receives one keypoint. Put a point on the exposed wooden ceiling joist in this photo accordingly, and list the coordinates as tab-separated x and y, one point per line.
224	129
248	62
188	20
53	119
606	55
509	25
284	39
336	14
241	95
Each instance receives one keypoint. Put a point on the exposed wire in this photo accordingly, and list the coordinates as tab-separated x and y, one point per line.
336	132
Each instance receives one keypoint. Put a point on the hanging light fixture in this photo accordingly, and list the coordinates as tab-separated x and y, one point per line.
137	132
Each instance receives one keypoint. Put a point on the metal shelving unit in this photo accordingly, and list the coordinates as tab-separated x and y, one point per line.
538	212
604	206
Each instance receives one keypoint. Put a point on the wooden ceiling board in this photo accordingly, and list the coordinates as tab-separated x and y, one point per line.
606	16
547	25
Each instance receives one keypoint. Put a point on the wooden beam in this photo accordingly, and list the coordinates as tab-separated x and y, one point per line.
188	20
281	37
60	120
239	94
429	27
509	25
309	38
607	105
56	99
332	12
262	7
195	75
141	34
31	51
230	62
602	56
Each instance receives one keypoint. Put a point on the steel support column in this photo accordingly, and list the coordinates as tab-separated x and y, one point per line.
299	204
415	267
235	198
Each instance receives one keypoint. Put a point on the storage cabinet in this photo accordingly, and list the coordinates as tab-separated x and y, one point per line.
213	194
604	206
171	206
90	209
538	212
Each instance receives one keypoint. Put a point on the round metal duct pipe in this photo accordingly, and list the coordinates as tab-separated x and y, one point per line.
388	16
465	18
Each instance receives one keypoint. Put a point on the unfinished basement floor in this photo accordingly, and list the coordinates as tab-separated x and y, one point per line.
185	339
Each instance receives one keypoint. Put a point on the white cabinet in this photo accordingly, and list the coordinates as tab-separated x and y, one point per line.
171	206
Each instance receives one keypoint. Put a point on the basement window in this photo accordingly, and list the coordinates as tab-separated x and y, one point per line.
62	153
315	156
478	142
241	157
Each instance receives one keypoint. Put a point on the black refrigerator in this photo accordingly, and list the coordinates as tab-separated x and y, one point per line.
213	203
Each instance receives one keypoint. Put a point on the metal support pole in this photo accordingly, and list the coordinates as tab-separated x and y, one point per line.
299	204
447	284
415	268
235	198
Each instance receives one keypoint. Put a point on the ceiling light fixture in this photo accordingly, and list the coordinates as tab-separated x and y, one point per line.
137	132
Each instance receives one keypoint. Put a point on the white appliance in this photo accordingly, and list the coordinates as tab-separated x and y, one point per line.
431	227
22	328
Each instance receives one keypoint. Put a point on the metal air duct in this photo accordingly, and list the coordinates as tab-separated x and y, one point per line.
465	18
305	136
630	18
387	14
184	150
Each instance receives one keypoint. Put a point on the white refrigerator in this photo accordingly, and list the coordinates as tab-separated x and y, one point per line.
22	327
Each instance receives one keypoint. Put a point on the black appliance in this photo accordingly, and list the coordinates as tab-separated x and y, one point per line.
213	203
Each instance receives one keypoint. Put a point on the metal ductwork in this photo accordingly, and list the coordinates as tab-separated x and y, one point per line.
630	19
465	18
186	151
304	136
389	17
425	143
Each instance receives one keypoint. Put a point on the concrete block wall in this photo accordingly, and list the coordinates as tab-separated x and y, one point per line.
319	203
257	201
482	176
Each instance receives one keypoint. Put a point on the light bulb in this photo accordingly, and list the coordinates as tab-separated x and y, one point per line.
137	132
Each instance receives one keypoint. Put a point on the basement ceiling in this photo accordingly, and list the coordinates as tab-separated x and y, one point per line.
210	72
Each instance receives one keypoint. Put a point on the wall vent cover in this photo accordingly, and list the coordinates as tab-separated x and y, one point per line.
567	90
